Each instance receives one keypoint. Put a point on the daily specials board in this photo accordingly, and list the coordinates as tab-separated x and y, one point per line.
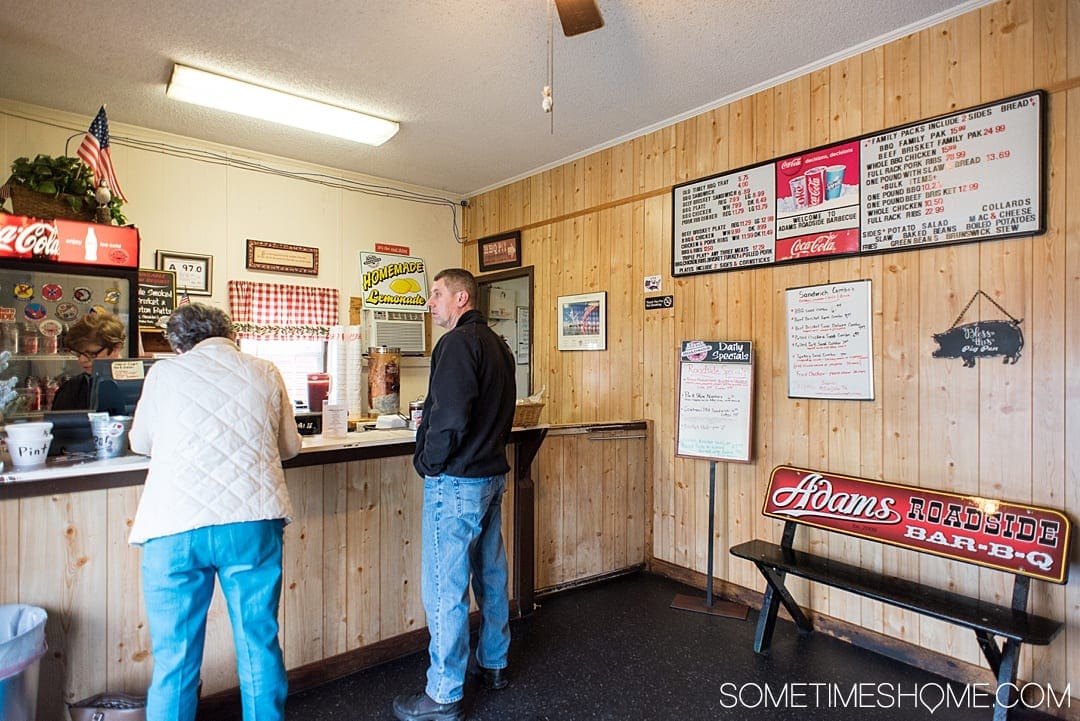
156	297
971	175
715	398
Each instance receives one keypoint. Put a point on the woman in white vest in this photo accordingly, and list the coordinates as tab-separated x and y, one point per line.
216	424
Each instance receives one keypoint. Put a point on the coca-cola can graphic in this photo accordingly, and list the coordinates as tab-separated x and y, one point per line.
815	185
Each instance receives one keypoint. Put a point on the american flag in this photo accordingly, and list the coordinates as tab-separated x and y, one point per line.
94	151
184	299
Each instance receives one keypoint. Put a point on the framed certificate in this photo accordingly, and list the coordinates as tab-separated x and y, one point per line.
194	273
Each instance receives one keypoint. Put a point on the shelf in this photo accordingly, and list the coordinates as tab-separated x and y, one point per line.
44	357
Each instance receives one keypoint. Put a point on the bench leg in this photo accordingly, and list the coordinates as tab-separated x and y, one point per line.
775	594
990	650
1006	678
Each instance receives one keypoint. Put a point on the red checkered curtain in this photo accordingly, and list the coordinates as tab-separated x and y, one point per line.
274	311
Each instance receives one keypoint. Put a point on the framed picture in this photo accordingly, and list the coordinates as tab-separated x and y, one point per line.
282	258
194	273
583	321
500	251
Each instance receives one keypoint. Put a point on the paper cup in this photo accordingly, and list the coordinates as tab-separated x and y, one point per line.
28	431
29	452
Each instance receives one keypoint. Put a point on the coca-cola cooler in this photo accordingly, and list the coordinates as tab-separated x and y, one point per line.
52	272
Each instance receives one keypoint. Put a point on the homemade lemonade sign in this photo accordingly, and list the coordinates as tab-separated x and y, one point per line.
393	282
715	396
971	175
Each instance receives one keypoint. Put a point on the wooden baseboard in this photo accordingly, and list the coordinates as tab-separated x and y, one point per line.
902	651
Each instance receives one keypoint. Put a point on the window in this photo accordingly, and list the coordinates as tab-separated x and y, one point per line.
294	358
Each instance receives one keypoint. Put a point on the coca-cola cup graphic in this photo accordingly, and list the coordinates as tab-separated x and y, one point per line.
815	185
834	181
798	191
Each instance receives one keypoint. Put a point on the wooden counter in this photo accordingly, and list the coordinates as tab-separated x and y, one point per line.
351	593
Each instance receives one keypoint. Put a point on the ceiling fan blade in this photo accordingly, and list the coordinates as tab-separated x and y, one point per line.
578	16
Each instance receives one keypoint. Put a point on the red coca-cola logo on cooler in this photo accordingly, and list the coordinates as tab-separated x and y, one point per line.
119	256
37	239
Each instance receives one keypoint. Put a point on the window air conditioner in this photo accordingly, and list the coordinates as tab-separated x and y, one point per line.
396	329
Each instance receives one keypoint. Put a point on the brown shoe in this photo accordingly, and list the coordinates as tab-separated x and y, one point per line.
421	707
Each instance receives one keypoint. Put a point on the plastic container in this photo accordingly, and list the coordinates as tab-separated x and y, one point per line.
318	389
416	414
22	644
384	380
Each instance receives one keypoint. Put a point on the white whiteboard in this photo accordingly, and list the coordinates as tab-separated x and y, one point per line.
716	383
830	353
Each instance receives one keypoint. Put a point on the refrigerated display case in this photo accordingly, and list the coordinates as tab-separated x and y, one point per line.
52	272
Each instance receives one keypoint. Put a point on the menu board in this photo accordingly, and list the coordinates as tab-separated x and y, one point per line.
971	175
829	344
156	298
715	397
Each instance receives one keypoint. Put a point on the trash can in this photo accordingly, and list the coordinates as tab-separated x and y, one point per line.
22	644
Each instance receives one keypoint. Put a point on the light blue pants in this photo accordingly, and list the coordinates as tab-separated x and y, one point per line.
462	534
178	582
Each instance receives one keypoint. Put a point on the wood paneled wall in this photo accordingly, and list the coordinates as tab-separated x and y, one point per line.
603	222
590	504
352	577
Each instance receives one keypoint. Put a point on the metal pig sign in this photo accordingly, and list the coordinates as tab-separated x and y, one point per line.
981	340
984	339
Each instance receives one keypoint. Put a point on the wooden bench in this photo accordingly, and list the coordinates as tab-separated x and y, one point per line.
1026	541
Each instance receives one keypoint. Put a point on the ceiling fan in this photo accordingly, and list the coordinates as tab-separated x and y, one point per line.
578	16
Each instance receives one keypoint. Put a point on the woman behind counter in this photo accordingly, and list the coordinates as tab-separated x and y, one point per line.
95	335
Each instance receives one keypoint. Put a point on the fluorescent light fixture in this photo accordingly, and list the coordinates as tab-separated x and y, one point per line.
235	96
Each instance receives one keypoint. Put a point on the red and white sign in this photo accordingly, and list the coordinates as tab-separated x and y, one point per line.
1011	537
388	248
68	241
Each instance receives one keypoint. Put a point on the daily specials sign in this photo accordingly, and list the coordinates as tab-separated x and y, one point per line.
156	299
1007	536
68	241
716	380
971	175
393	282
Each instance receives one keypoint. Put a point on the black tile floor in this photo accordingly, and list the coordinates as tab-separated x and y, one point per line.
616	650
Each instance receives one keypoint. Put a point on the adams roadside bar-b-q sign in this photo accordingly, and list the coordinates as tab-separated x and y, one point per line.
997	534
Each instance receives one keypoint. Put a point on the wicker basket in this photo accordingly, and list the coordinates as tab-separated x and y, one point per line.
527	414
41	205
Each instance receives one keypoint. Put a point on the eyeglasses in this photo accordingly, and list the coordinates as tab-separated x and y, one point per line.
89	354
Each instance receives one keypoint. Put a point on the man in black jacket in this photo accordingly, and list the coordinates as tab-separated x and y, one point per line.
461	453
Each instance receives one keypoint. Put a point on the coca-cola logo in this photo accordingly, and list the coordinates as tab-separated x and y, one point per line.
791	165
820	245
814	496
37	239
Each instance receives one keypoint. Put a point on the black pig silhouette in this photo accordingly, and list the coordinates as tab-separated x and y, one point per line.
981	340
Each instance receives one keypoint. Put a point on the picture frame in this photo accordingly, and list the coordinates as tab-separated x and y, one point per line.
194	272
497	252
281	257
582	321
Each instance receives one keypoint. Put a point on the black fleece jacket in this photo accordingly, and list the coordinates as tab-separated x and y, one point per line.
470	403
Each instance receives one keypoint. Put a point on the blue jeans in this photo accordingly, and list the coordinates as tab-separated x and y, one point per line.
178	582
462	533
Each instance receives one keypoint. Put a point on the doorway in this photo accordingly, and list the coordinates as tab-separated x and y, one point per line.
506	300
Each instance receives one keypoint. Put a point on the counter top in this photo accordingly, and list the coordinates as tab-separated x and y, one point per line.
57	474
84	472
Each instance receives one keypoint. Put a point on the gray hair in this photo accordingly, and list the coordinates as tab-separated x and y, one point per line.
192	323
